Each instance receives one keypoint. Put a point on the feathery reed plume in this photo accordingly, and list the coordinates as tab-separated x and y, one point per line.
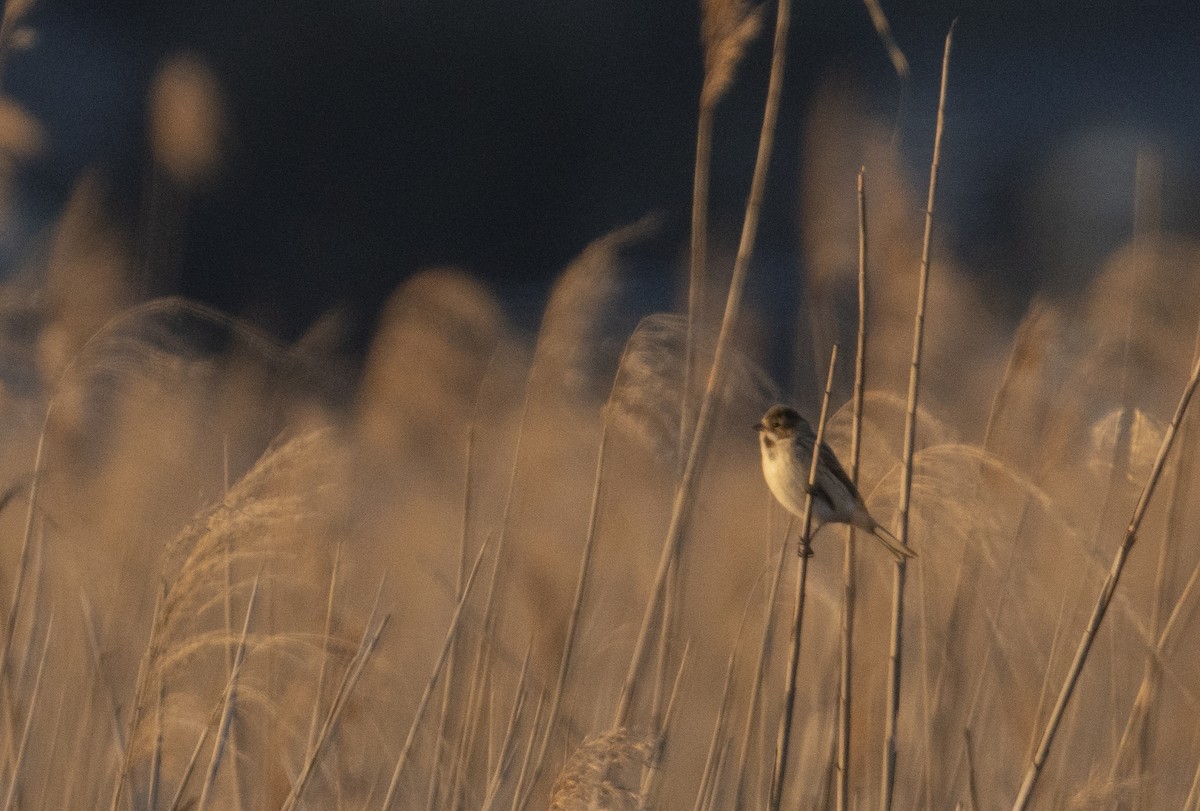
706	419
784	736
602	773
848	583
1106	595
910	427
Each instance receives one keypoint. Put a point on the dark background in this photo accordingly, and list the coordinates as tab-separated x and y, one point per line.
368	140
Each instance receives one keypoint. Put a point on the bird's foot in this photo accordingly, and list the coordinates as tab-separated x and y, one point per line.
804	549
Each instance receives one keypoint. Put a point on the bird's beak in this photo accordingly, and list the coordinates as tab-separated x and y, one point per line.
758	426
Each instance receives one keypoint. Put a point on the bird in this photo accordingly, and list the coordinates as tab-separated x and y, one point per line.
786	440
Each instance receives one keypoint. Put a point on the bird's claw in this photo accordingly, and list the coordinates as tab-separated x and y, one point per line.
804	550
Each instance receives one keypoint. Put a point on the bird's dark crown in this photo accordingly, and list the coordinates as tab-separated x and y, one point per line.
780	420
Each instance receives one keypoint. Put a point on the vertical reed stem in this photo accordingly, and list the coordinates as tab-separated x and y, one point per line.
848	585
910	435
705	421
783	739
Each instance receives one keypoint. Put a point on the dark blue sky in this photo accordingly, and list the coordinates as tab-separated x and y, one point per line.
368	140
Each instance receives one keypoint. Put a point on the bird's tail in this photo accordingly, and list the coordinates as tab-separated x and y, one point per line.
892	542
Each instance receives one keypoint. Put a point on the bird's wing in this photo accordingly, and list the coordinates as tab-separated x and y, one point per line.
830	461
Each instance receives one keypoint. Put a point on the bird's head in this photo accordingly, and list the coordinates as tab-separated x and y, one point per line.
780	422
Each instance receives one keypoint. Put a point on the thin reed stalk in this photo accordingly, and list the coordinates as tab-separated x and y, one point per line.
708	776
506	748
448	682
1106	594
10	798
699	260
760	668
910	435
1139	713
849	589
192	761
783	740
139	690
706	420
1193	798
50	774
451	635
14	609
315	719
727	26
972	783
564	664
527	761
230	712
156	756
366	647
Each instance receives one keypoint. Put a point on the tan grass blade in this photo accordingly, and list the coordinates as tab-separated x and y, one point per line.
783	740
910	430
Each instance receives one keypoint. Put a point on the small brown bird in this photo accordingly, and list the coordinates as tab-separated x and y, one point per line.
786	440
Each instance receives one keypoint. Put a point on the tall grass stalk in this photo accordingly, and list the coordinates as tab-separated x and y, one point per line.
144	667
44	794
418	716
845	703
1106	594
504	760
760	668
177	799
19	761
527	761
685	493
1139	714
14	608
727	26
230	711
432	793
910	435
564	665
326	654
783	739
708	773
366	647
